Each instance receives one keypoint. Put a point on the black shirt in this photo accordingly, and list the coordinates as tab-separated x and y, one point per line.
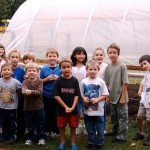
67	89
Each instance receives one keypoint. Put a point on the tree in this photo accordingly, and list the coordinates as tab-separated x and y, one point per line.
9	7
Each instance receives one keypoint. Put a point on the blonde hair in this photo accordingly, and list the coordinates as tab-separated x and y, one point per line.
28	55
65	60
53	51
32	66
6	65
92	63
14	51
98	49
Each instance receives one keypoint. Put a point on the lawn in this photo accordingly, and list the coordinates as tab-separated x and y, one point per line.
51	144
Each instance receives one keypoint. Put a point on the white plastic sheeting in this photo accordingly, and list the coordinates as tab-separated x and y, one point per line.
65	24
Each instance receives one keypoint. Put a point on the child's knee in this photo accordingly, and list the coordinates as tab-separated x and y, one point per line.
140	118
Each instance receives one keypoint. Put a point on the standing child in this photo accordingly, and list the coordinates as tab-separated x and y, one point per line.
116	79
94	92
79	59
144	109
18	73
98	56
3	59
9	88
67	92
34	114
49	73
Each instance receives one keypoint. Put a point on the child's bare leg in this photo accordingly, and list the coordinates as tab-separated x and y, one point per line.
73	135
140	124
62	135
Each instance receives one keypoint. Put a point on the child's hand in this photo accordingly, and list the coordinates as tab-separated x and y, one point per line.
26	76
86	100
139	93
68	110
94	100
122	101
107	101
55	77
50	77
28	92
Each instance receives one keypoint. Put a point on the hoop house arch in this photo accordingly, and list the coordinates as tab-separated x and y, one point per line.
65	24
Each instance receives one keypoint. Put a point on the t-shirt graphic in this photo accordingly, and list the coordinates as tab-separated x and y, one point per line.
6	94
91	91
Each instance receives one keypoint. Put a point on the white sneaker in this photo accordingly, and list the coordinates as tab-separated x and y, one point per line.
79	129
53	135
28	142
41	142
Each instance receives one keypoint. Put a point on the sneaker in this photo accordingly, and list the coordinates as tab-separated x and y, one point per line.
111	133
53	134
119	141
2	139
28	142
147	142
12	139
61	147
137	137
84	130
48	134
41	142
74	147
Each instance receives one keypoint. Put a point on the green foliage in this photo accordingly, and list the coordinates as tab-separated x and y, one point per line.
9	7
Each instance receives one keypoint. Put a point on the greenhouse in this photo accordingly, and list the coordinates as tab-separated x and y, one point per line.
64	24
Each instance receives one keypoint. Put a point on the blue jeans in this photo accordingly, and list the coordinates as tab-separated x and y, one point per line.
35	120
9	123
95	124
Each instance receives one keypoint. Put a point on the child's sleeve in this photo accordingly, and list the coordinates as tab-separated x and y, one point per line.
56	88
77	89
124	75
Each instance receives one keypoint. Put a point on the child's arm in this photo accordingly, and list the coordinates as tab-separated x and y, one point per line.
98	99
74	104
61	102
123	95
140	89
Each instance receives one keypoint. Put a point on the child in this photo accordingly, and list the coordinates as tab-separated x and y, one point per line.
3	58
67	92
9	88
27	58
79	59
34	114
18	73
144	109
98	56
49	73
94	92
116	79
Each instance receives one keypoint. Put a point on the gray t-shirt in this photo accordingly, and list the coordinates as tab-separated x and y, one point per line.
115	76
8	93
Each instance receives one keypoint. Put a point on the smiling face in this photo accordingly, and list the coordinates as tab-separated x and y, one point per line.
99	56
113	55
66	68
2	52
32	73
145	65
52	58
6	72
80	57
92	71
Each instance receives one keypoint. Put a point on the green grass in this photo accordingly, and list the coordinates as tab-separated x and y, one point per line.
52	144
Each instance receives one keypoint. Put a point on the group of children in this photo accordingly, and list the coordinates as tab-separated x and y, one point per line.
55	95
